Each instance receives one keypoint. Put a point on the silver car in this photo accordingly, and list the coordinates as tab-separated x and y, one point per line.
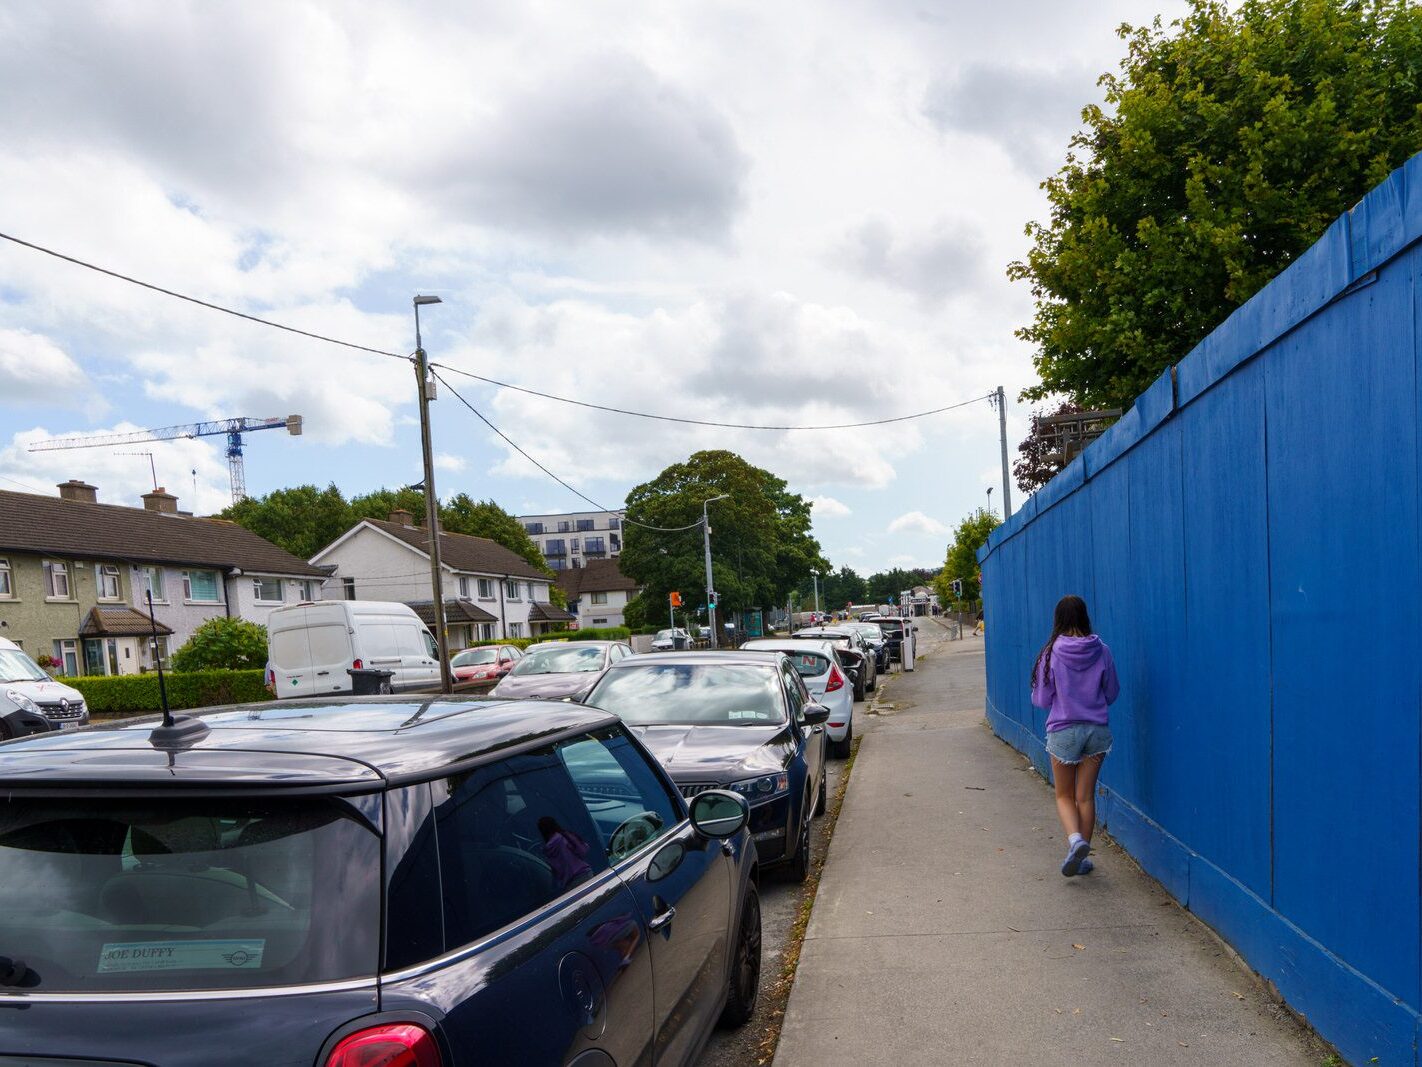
559	670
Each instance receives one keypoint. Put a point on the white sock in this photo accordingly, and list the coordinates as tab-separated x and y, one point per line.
1073	839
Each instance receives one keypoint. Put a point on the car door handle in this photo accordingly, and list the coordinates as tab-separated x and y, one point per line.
661	919
322	674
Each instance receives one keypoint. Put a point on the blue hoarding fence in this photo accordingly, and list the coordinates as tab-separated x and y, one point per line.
1266	765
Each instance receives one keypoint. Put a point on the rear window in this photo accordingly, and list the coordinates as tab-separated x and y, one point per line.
475	656
569	659
121	895
696	694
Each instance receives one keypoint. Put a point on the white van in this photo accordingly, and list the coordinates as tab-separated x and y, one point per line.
311	647
22	680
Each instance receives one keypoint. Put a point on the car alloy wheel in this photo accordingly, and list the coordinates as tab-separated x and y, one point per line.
744	979
800	864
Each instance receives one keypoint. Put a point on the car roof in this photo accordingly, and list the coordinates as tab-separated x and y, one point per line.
786	644
322	744
573	644
702	656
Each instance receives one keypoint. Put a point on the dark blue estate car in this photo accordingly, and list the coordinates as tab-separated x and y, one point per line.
334	883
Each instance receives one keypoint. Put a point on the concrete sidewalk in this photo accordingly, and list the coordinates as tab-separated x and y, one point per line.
943	931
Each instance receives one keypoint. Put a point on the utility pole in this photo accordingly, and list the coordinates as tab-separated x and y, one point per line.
816	579
426	386
1002	431
710	585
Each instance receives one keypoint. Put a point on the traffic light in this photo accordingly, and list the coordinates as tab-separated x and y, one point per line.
675	599
714	597
958	588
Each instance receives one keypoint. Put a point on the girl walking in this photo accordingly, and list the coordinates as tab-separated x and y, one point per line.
1074	679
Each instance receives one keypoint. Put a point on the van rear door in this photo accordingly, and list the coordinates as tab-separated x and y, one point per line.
419	656
310	650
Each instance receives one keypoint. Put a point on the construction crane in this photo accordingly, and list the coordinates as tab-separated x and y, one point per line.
232	428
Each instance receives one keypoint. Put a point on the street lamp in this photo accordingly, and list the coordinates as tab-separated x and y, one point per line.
710	587
425	387
989	500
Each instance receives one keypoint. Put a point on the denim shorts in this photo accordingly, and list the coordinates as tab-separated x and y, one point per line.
1079	741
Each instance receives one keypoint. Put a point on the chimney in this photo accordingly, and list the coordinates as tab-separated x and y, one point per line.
74	489
161	500
402	517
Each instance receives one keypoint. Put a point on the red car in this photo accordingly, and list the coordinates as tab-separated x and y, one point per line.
486	663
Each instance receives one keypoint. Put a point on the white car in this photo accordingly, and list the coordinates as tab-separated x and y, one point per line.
666	640
28	688
818	667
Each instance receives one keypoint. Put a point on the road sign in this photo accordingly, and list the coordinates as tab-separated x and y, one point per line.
675	599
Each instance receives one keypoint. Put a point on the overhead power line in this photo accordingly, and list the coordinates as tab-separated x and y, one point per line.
201	303
707	422
576	492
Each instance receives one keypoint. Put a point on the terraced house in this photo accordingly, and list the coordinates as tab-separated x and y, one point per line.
74	573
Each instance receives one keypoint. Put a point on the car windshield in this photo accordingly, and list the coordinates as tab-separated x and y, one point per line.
838	639
15	666
140	895
475	656
698	694
562	659
807	662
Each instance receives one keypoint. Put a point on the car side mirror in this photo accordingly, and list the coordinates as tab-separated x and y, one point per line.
816	714
719	813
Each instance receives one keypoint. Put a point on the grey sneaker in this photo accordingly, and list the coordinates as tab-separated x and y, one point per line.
1075	855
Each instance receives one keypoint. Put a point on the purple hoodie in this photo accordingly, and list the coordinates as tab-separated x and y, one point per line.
1079	683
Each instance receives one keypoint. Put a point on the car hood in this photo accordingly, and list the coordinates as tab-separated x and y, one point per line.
717	753
45	692
545	686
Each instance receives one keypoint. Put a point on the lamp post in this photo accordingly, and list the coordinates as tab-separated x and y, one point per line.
710	585
989	500
426	387
816	578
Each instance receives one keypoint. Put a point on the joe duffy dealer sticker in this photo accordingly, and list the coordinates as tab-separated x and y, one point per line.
181	955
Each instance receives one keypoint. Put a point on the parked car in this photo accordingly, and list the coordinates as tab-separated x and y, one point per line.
28	690
313	647
819	669
875	639
433	883
854	655
486	663
901	635
559	670
666	640
742	721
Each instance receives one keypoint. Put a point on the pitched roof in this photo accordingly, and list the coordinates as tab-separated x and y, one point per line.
118	620
538	611
463	552
78	529
595	576
457	611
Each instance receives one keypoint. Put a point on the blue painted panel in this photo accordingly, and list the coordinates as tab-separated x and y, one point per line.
1376	224
1112	611
1345	594
1224	680
1071	478
1157	403
1113	444
1163	857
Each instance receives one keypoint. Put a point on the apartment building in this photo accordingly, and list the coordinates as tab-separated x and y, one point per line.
573	539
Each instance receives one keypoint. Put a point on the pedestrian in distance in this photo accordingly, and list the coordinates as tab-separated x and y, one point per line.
1074	680
978	626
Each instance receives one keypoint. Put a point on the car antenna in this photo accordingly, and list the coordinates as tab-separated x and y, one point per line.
175	734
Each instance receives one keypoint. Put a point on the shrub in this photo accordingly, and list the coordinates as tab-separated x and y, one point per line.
137	693
593	633
223	644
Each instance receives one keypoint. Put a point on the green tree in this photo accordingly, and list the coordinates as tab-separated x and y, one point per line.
760	536
842	587
1228	143
303	519
891	583
962	560
223	644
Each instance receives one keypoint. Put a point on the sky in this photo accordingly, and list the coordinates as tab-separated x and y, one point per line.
796	213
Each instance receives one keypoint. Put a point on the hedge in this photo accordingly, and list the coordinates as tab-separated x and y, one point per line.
136	693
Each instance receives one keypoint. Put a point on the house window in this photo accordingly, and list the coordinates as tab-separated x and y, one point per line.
109	588
616	542
510	589
56	580
464	588
7	587
268	589
200	587
486	589
66	653
515	629
530	592
308	590
558	564
586	524
593	546
556	547
564	526
599	598
614	524
599	622
348	588
153	581
573	544
486	631
533	527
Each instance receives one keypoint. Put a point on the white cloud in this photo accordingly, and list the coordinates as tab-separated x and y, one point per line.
444	461
918	523
827	507
34	369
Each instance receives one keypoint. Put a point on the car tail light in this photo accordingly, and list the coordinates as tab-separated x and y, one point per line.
836	680
357	665
393	1045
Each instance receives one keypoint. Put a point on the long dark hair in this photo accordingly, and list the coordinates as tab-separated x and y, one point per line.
1070	617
